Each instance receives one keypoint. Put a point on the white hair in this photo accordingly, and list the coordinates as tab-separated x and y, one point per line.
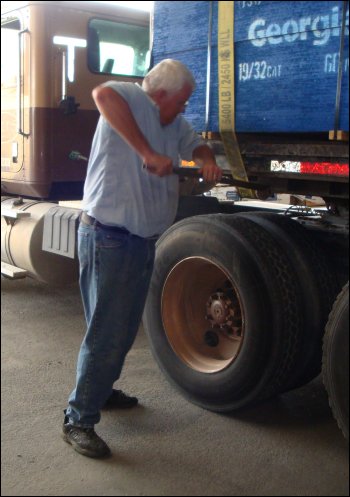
169	75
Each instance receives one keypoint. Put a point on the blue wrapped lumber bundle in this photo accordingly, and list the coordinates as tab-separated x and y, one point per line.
286	62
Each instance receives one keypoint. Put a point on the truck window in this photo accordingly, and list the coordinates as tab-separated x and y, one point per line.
10	27
118	48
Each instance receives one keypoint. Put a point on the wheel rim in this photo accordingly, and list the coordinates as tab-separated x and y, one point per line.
202	315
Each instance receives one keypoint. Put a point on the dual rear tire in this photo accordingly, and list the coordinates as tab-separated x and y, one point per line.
335	365
237	308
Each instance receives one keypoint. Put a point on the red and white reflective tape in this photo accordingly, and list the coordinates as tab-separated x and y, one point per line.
325	168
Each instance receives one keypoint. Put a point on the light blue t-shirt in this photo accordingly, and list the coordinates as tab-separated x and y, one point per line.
118	191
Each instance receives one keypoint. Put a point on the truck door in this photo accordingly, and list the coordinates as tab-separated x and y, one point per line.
14	85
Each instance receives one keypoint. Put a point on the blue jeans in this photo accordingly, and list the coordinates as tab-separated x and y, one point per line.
115	273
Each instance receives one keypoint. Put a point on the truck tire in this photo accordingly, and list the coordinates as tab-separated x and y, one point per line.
222	315
316	283
335	366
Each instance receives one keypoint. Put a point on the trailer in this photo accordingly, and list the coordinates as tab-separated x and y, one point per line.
240	299
247	301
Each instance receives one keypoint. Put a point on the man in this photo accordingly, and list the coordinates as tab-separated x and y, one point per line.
130	198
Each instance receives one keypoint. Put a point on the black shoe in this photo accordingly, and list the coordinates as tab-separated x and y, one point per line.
121	400
85	441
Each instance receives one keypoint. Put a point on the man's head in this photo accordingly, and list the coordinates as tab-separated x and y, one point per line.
170	84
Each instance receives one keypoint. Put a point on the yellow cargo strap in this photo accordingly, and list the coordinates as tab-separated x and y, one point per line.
226	78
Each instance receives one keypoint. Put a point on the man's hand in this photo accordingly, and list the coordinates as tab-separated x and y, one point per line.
211	172
204	157
160	165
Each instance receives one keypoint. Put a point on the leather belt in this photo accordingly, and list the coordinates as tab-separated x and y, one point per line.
86	219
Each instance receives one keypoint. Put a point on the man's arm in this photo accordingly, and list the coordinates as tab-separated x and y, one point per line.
114	108
204	156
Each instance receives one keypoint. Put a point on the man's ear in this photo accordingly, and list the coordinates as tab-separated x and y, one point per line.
160	96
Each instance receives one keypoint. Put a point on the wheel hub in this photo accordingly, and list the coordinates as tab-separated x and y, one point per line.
202	315
223	312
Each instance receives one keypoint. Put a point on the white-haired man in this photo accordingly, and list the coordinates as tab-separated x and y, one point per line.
130	198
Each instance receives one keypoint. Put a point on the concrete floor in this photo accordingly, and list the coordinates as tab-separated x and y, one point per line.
166	446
